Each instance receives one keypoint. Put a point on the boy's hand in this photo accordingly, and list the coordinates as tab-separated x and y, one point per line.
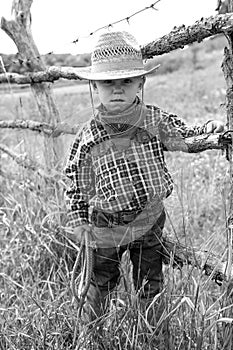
79	232
214	126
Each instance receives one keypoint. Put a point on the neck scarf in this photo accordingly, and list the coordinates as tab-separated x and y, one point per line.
123	121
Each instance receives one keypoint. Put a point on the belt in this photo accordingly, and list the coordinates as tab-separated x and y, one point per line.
103	219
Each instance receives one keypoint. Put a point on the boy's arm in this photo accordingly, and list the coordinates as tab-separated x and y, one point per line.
174	130
80	189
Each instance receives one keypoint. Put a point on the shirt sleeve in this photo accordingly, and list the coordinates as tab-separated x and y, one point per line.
80	188
174	130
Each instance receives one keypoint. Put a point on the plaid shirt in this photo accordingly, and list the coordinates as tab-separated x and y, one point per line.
114	174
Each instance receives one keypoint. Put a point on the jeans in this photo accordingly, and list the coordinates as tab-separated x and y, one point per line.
146	257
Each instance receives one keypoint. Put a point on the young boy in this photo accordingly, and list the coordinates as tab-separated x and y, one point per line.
118	174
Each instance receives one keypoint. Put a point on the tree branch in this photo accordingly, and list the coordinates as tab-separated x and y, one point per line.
24	161
40	127
196	144
180	255
21	159
182	35
50	74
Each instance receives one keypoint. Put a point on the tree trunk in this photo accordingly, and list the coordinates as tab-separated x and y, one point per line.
19	30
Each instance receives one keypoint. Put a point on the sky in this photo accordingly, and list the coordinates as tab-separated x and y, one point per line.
57	23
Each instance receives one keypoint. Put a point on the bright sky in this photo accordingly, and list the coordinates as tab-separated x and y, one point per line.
56	23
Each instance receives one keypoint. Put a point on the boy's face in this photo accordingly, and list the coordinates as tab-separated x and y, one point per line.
117	95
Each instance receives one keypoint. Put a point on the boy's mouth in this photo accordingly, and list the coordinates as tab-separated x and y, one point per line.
117	100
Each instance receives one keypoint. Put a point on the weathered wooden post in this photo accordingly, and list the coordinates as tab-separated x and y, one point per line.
227	66
19	30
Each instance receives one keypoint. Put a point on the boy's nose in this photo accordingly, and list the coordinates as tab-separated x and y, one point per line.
118	86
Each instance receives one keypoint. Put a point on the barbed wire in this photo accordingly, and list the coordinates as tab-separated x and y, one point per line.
152	6
75	41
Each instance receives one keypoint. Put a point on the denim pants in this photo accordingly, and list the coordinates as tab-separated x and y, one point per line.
146	257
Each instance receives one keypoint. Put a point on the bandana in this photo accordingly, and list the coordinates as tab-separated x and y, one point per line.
124	121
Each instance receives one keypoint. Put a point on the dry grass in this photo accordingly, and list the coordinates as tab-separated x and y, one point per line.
37	309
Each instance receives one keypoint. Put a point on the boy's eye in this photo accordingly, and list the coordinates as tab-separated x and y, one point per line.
107	82
126	81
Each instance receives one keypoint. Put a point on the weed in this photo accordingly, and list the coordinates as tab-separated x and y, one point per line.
36	256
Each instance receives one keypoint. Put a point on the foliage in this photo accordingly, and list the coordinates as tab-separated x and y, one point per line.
13	63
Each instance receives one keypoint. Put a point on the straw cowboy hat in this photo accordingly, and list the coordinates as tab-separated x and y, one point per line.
116	55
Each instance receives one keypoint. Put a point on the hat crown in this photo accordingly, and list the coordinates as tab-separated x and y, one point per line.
116	51
114	45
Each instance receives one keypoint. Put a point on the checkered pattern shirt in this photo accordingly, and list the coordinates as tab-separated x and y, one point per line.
115	174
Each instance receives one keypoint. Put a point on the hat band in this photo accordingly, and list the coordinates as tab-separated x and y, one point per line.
117	65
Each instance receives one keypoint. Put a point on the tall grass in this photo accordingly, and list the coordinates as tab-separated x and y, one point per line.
37	308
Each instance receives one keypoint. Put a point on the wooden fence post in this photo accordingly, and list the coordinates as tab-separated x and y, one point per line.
227	66
19	30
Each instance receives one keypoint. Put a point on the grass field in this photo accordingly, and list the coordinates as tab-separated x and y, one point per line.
37	310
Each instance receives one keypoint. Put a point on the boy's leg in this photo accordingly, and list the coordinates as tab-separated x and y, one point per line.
106	274
146	257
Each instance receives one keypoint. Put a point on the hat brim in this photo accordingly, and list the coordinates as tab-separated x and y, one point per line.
87	74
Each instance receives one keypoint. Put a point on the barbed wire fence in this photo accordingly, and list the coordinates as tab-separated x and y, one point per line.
77	39
178	38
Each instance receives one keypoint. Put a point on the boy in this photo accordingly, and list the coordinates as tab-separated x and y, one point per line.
118	174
